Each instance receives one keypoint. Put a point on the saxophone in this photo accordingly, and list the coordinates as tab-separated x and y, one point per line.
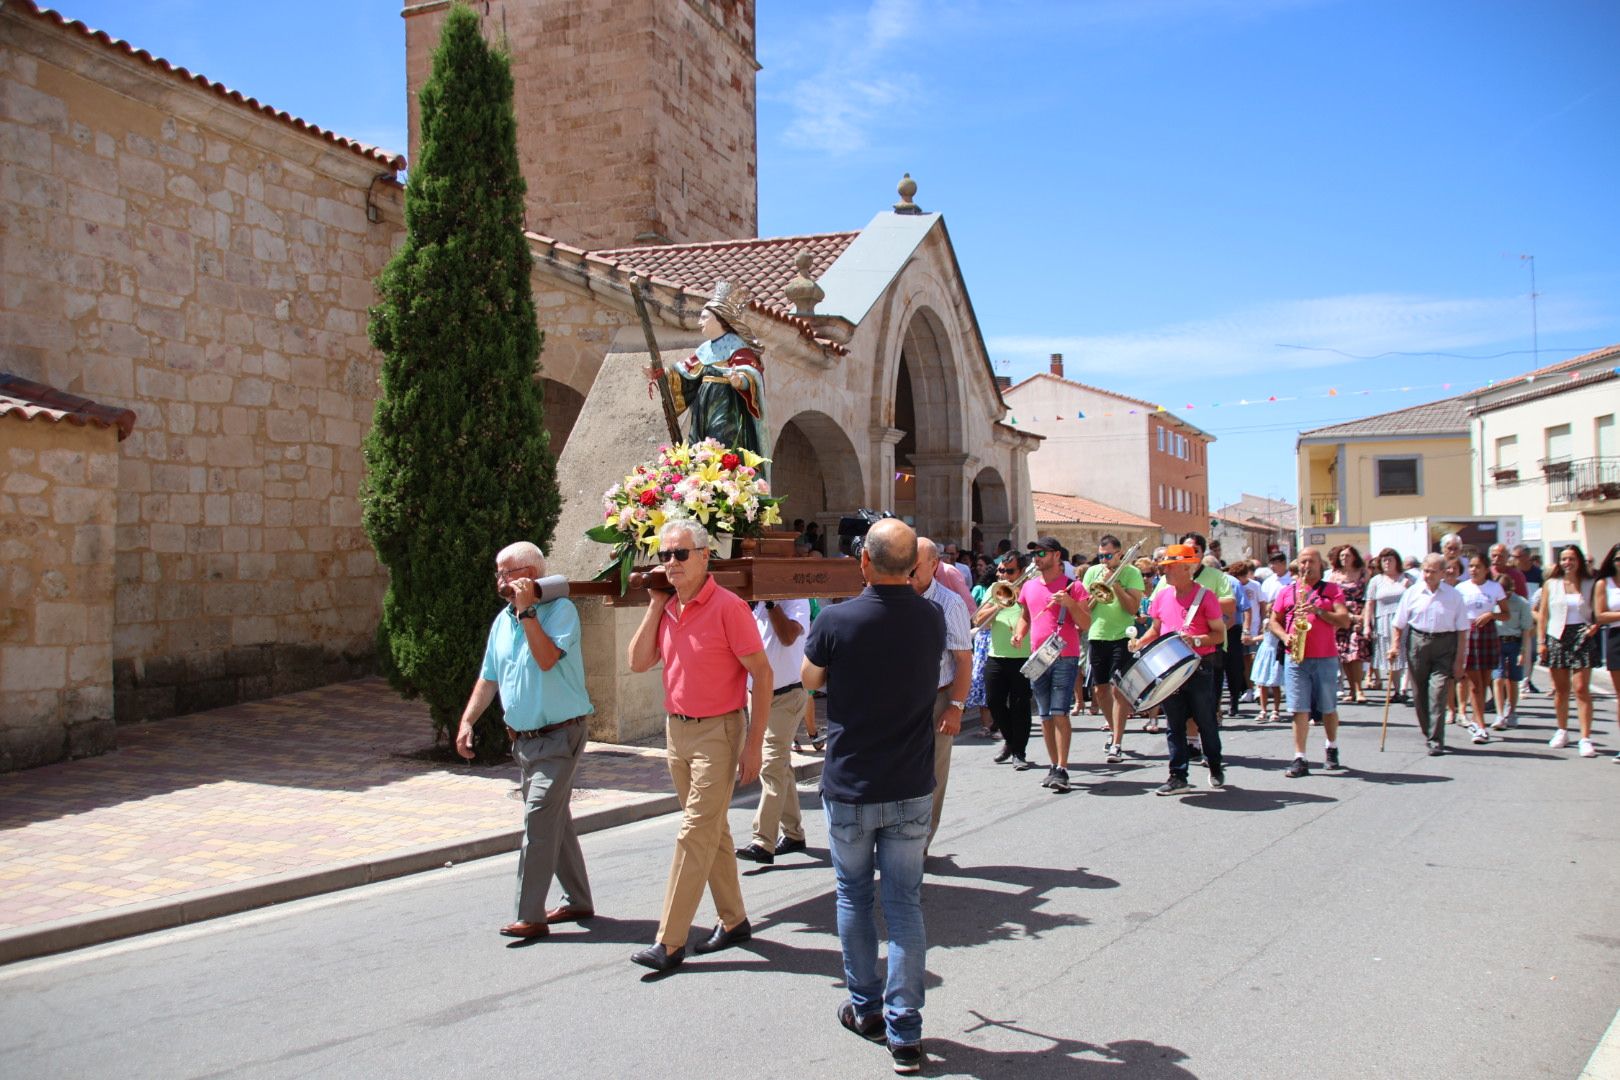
1299	627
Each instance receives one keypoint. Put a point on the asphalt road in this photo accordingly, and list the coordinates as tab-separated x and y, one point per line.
1454	917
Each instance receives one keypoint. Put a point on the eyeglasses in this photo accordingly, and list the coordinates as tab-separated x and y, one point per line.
678	554
520	571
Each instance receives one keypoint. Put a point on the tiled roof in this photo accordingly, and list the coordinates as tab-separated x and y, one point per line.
1548	381
1148	407
1072	509
1448	416
29	400
1608	352
763	266
618	262
386	158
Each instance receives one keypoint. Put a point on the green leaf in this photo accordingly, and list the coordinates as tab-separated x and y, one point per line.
605	534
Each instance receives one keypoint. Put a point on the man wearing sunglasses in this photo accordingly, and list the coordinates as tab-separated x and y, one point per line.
707	640
532	658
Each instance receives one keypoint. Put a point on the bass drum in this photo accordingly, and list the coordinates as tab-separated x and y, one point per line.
1160	669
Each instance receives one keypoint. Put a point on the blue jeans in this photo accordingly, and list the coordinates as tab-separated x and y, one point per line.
1054	691
889	837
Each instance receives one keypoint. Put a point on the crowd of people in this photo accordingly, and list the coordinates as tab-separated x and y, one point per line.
940	633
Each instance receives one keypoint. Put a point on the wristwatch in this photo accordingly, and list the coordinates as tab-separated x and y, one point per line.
958	704
526	613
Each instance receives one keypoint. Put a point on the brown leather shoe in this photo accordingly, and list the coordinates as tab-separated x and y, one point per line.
526	929
570	914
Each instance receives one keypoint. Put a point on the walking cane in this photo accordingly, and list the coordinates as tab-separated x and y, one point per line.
1384	731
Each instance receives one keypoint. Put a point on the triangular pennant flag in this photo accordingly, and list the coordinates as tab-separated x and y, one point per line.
1080	416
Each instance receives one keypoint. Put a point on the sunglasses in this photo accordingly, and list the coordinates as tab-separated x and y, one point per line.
1008	570
678	554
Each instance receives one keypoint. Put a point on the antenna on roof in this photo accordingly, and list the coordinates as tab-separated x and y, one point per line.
1535	329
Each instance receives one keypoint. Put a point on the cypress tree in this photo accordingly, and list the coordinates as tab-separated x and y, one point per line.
457	459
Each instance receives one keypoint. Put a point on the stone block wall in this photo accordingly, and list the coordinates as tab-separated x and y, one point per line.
57	514
635	117
210	267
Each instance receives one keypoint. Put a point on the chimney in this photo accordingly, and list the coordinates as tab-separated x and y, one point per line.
1057	364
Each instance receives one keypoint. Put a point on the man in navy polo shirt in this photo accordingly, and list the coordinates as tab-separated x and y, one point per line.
532	658
878	656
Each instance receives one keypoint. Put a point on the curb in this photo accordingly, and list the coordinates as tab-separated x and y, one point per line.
78	932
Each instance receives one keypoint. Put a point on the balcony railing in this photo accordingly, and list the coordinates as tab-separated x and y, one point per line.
1583	483
1322	508
1505	475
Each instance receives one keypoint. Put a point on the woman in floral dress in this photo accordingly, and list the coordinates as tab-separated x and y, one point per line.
1350	575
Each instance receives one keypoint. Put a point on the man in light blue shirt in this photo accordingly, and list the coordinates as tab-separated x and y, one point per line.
532	660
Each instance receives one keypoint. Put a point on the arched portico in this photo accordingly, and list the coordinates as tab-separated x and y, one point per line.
561	410
814	467
992	511
921	448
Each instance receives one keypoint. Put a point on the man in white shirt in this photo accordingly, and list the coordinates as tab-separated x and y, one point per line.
783	627
1432	617
955	669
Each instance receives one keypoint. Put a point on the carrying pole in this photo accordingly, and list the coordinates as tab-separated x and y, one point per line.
657	360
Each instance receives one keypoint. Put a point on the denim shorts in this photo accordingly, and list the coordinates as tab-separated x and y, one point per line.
1053	692
1313	685
1507	665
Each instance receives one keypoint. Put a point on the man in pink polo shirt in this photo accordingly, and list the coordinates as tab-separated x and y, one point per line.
706	637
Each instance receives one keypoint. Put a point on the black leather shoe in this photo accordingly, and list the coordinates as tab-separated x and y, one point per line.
725	939
755	853
657	957
787	846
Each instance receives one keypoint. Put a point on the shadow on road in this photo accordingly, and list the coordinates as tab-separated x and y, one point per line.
1245	800
1071	1059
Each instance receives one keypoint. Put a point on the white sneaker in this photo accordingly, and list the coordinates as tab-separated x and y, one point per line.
1500	725
1587	749
1481	736
1249	697
1116	754
1560	739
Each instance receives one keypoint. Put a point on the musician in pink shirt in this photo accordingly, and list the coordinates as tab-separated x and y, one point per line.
1191	612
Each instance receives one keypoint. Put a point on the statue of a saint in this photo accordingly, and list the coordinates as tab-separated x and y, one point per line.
722	384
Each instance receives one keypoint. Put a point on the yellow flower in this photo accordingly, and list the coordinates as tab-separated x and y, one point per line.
771	516
751	459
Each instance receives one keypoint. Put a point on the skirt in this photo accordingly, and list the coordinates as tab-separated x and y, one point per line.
981	652
1573	650
1484	649
1383	634
1268	666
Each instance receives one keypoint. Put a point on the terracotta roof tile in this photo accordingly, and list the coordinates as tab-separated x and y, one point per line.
1608	352
29	400
691	268
763	266
386	158
1449	416
1050	506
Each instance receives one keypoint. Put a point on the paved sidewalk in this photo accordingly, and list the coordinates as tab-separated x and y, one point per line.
222	811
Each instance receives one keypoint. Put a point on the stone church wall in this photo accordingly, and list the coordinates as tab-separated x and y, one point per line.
209	267
57	511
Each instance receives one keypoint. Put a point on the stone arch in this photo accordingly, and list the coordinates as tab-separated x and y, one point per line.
923	406
992	510
562	406
815	468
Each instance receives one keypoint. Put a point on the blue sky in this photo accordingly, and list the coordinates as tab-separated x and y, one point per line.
1195	201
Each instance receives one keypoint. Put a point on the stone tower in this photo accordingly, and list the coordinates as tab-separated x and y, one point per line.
635	117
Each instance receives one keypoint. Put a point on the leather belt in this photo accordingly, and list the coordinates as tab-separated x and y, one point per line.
514	733
780	690
685	719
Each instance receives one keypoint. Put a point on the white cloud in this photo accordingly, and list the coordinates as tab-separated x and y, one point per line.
836	107
1363	325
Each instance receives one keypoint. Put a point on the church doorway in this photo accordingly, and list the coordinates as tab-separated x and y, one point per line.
561	411
929	488
992	511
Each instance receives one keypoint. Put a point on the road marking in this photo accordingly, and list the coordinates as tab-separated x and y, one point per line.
1605	1060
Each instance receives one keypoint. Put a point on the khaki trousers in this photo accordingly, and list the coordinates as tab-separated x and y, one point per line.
703	764
779	791
942	759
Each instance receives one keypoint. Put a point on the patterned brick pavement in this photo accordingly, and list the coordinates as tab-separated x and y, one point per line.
327	776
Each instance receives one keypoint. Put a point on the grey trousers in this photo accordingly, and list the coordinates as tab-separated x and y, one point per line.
943	745
1432	660
550	845
779	790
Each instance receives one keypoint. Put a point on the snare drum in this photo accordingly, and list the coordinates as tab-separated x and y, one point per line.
1160	669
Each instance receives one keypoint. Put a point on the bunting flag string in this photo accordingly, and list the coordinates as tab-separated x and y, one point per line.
1332	392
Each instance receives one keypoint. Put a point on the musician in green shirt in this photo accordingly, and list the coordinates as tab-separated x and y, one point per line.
1107	641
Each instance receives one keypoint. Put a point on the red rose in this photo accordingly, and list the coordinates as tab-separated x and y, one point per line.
648	497
729	461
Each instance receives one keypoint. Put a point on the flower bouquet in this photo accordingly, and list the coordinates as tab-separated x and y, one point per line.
719	487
